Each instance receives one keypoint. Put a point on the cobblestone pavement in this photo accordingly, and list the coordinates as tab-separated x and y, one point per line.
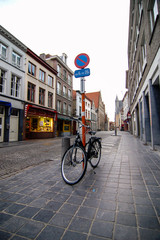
120	202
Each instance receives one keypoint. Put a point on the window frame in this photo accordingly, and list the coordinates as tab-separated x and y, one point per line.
32	70
17	61
15	86
2	81
50	99
42	75
42	96
1	51
50	81
31	90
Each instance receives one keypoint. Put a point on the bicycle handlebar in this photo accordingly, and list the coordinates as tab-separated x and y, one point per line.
82	125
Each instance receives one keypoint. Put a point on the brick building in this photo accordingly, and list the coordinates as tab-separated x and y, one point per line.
143	76
64	87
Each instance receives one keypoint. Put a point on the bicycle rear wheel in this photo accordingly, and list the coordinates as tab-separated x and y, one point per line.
74	164
95	153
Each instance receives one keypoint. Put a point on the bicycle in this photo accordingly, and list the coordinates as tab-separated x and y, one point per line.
75	159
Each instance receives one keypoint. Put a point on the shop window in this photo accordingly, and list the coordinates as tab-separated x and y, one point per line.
1	110
41	124
31	69
31	92
41	96
14	112
66	126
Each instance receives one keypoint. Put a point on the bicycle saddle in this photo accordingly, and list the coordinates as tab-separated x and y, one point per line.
92	132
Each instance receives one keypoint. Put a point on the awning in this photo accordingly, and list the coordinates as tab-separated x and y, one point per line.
37	110
7	104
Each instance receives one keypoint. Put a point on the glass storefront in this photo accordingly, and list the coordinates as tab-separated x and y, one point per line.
39	124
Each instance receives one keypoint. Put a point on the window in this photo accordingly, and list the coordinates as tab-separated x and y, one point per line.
153	13
69	80
15	86
69	110
144	60
64	108
50	99
3	51
64	91
58	106
69	94
59	88
16	59
64	75
80	110
41	96
41	75
50	81
31	92
2	81
59	70
31	69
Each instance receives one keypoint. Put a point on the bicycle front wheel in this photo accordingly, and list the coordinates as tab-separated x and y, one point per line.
95	153
74	164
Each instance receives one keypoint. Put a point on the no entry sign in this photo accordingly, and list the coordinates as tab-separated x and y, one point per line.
82	60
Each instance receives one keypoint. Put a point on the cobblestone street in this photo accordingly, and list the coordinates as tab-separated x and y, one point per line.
120	202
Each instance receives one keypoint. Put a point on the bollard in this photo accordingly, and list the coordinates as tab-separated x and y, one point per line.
65	145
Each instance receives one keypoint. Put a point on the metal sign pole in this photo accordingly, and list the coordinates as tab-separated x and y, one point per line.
83	110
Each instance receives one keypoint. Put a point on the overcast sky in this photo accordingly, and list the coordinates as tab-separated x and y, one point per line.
98	28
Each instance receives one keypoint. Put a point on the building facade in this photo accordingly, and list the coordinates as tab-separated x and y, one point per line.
100	109
143	78
12	84
64	87
40	119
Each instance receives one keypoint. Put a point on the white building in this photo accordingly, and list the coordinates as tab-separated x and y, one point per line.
12	79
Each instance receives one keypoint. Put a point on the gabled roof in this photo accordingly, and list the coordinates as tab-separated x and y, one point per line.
94	96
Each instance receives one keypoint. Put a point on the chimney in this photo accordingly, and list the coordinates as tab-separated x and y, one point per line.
64	58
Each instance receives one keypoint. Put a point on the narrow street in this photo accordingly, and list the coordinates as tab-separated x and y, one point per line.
120	201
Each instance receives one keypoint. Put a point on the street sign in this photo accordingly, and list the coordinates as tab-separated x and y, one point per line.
82	60
82	73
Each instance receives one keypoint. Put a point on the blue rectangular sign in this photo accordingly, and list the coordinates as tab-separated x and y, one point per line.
82	73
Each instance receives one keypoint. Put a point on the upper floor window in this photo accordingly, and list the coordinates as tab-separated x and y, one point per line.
50	99
59	70
153	13
41	75
3	51
69	110
64	91
15	86
41	96
69	80
16	59
59	88
50	81
31	92
31	69
64	108
64	75
69	94
58	106
2	81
